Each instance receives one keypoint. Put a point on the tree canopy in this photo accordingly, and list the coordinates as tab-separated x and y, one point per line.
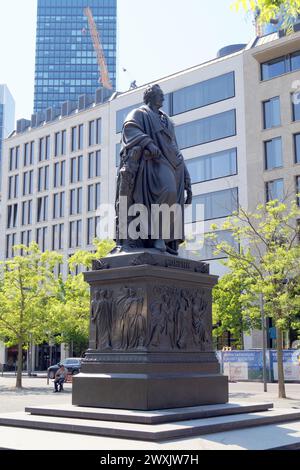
271	9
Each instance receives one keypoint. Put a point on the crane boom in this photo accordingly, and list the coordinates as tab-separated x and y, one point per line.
98	49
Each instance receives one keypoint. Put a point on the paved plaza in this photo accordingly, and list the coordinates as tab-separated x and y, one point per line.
36	392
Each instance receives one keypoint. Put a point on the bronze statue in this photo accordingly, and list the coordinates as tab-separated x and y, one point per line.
152	172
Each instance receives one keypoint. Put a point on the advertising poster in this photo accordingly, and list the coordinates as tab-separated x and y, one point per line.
291	365
243	365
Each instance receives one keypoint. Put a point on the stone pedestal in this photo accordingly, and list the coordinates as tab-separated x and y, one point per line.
150	335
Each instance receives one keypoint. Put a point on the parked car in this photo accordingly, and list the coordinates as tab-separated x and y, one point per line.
73	365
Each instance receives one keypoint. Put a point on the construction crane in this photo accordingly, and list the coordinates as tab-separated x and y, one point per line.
104	78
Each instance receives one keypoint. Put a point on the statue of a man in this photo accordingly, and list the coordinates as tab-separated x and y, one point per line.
152	172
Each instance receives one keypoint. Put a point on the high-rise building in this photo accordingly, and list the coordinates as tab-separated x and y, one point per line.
7	117
66	62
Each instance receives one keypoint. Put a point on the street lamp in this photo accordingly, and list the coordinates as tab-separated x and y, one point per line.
264	331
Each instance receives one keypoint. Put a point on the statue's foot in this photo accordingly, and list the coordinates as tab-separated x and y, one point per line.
160	245
172	248
171	251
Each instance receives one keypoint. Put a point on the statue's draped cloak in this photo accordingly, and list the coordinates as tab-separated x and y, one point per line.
159	180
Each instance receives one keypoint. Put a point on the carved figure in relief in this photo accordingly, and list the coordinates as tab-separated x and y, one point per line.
131	322
102	316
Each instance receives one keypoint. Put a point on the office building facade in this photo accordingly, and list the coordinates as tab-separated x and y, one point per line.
66	63
236	126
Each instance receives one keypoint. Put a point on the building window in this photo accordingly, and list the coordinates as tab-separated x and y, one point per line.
27	183
77	138
31	153
63	142
212	166
44	148
297	147
75	234
280	65
275	190
74	139
57	237
26	154
42	209
122	114
75	201
93	197
206	130
43	178
14	155
95	132
76	169
273	153
41	238
295	100
10	243
13	187
272	113
213	205
94	164
207	250
58	205
204	93
26	237
59	174
80	136
12	216
92	224
27	212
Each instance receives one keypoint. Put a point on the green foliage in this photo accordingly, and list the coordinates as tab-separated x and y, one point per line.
265	260
72	305
234	307
28	286
36	306
85	258
271	9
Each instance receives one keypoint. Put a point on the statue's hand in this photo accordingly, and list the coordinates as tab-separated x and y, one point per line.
154	150
189	196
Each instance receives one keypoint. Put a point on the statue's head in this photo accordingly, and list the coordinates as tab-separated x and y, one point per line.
154	96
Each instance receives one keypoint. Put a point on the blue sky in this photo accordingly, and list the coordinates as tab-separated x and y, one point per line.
156	38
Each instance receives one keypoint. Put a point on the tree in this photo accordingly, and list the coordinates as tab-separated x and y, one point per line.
271	9
27	288
266	256
230	296
70	310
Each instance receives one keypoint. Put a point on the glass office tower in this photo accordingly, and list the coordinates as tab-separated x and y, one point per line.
66	63
7	117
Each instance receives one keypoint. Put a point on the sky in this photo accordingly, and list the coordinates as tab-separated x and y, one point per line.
155	38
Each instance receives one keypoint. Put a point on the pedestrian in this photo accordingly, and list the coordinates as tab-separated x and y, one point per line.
60	378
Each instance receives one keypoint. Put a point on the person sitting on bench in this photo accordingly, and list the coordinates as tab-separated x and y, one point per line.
60	378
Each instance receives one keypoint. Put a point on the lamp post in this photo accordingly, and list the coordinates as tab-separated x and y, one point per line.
264	329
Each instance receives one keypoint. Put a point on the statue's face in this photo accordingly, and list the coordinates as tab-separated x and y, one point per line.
158	98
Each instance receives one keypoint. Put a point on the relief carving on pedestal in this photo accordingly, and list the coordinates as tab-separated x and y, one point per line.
179	319
117	319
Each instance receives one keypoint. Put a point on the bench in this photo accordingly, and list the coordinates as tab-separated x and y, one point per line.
69	378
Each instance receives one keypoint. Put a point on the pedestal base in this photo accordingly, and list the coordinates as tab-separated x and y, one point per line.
149	391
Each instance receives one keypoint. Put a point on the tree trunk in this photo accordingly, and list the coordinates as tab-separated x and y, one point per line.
281	385
20	365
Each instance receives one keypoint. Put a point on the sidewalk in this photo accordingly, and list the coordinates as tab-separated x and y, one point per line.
36	392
